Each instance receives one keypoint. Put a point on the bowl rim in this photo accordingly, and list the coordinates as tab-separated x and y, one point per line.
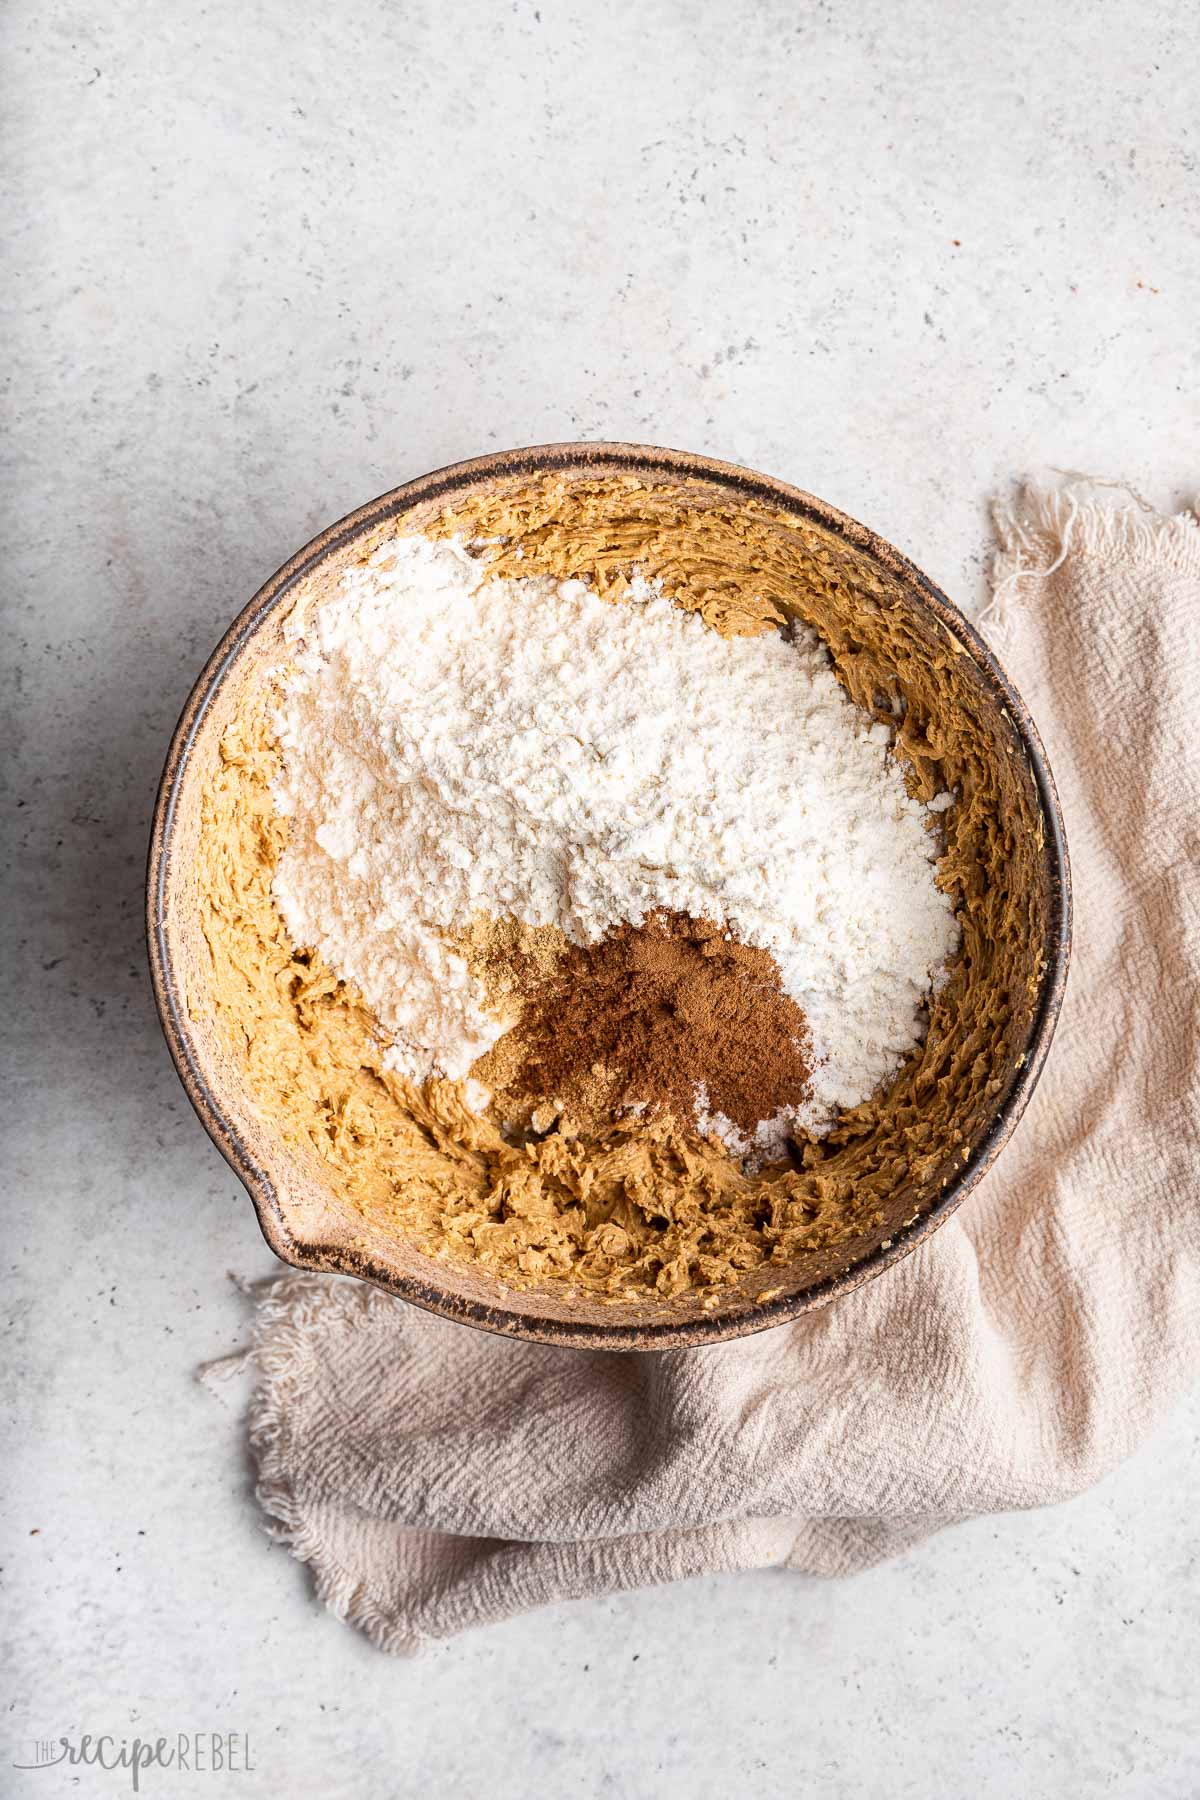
516	1313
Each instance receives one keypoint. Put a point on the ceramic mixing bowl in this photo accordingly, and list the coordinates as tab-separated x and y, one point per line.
858	581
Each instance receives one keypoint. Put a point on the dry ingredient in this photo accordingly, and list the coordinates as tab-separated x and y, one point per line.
644	1019
456	745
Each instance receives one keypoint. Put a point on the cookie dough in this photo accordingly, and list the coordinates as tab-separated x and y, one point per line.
640	1205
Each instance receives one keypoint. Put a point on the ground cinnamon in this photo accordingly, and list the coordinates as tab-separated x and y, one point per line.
645	1018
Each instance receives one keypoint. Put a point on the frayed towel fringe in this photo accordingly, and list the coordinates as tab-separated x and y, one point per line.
295	1313
1043	524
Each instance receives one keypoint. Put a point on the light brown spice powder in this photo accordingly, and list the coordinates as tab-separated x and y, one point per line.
642	1019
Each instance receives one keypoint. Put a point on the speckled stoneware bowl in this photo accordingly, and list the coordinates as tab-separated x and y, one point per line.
304	1221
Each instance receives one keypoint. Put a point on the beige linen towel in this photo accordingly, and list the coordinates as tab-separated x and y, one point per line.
435	1477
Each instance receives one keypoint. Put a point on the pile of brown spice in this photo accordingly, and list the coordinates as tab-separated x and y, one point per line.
672	1015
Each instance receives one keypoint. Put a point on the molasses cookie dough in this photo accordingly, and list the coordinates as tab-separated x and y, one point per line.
641	1203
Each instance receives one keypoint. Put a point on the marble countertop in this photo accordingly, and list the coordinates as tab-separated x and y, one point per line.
265	262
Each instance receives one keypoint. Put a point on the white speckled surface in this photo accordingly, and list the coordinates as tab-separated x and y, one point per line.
266	261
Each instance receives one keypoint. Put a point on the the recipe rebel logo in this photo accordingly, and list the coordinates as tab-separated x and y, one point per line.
186	1752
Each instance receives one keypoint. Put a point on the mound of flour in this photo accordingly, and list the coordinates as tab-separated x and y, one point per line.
455	745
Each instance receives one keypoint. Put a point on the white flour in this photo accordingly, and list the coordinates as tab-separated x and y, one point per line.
454	745
769	1140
